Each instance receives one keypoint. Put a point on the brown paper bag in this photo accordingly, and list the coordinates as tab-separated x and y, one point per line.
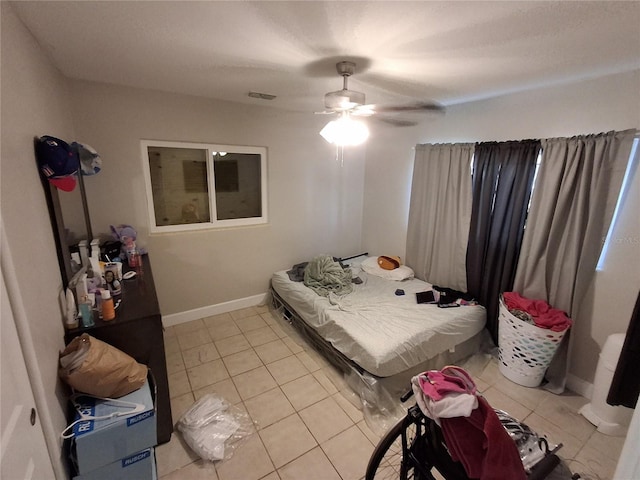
92	366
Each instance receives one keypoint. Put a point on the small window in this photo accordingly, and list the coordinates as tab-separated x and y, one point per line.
195	186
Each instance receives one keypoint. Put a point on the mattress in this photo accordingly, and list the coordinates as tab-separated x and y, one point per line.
382	332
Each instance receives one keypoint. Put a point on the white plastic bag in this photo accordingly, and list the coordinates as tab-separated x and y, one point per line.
212	427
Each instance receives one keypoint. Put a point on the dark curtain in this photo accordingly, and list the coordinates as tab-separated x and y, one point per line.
503	174
625	385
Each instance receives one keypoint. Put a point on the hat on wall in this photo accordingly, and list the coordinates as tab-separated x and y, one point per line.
58	162
90	161
389	262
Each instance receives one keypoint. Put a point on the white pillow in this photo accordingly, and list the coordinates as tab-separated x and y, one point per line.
370	265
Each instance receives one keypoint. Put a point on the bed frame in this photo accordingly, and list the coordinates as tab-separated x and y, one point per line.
335	357
382	389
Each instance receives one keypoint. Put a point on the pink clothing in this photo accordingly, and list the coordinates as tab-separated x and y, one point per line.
452	405
438	384
542	313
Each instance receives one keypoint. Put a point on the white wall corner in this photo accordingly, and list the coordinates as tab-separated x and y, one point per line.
208	311
579	386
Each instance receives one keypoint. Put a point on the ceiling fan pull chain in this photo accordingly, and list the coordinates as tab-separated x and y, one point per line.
340	154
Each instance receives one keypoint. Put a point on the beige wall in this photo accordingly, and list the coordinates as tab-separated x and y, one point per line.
610	103
35	101
314	204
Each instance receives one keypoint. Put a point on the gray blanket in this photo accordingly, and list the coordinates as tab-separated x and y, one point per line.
324	276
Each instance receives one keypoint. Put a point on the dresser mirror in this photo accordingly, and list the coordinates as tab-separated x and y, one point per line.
71	224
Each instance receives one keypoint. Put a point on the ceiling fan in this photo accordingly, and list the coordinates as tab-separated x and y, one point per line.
352	102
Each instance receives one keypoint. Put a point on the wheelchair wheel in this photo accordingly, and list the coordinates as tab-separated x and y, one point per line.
413	450
390	459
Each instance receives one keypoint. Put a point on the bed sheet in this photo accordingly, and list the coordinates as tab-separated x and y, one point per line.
383	333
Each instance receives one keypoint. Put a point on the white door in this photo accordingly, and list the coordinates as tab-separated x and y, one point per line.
24	451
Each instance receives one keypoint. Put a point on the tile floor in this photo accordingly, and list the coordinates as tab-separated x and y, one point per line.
308	424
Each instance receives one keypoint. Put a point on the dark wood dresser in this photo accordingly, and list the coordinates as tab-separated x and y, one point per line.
137	330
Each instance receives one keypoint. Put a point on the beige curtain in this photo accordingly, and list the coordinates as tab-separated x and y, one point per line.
440	213
571	209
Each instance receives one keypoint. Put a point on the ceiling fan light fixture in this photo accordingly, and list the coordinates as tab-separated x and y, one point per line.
345	131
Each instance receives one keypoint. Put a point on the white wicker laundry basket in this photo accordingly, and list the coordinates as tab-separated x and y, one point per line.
525	350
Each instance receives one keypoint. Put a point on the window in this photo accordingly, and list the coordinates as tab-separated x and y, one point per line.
634	160
193	186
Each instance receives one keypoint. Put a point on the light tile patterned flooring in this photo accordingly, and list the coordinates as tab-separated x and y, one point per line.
308	423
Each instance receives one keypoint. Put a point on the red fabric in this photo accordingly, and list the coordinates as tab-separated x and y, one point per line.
542	313
482	445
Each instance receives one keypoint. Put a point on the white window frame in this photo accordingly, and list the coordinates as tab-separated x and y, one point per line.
214	223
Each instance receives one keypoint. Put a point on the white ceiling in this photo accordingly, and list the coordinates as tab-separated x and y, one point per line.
448	52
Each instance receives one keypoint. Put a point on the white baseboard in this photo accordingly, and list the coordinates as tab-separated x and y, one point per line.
579	386
196	313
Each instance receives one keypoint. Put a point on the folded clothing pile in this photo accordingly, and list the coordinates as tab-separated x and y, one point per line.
538	312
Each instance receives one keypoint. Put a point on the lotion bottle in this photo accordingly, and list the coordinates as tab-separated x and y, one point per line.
71	320
108	310
85	312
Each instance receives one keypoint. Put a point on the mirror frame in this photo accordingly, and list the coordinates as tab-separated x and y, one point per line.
57	222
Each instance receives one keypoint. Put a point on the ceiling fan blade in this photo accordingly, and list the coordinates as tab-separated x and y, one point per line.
363	111
409	107
397	86
398	122
326	112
